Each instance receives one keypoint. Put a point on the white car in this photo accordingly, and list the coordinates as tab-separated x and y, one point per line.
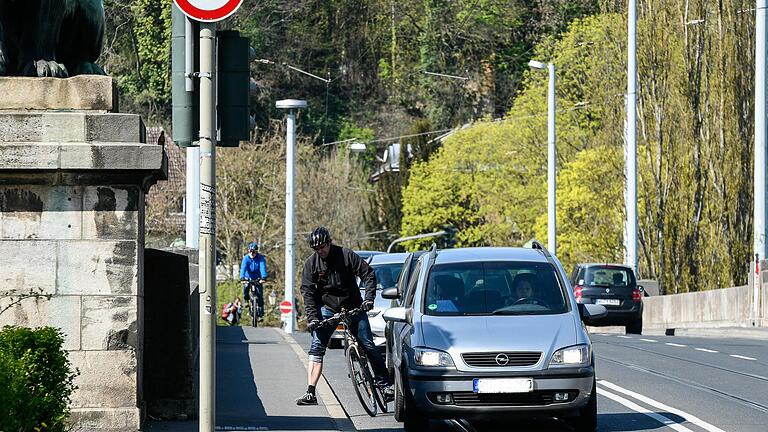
387	268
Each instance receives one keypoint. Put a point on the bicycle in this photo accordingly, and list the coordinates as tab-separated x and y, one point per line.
254	289
370	394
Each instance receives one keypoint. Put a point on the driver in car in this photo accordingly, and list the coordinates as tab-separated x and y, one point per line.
524	286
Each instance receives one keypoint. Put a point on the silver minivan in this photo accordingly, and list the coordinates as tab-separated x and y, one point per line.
486	333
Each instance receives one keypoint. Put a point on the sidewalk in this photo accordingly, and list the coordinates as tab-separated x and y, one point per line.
259	374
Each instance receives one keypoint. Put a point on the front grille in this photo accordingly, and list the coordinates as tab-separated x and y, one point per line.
535	398
496	359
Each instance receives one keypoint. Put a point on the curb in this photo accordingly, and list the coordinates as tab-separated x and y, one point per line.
324	392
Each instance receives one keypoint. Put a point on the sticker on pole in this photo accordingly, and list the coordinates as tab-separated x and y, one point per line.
208	10
285	307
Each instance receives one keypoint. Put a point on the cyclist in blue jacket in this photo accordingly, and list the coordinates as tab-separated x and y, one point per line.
254	267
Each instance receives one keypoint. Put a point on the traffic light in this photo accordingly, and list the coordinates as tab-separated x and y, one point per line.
234	77
185	110
232	87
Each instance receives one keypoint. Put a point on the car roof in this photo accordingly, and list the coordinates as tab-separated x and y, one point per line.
368	253
389	258
446	256
603	265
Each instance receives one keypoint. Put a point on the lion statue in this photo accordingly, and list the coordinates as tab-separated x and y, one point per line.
51	38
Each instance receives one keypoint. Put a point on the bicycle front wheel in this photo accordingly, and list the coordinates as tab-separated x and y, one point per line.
362	381
254	312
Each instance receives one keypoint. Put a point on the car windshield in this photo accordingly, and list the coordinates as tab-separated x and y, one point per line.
498	288
606	276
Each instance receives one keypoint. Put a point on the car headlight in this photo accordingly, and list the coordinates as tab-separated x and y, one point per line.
372	313
577	355
432	358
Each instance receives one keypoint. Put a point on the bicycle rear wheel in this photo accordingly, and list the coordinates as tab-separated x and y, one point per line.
362	381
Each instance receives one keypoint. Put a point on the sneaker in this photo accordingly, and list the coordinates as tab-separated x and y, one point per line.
307	399
388	391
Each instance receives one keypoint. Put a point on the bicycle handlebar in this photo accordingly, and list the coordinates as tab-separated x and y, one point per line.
339	316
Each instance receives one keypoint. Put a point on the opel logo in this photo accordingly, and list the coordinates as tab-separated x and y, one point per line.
502	359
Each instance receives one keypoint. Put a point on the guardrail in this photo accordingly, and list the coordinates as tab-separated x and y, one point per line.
725	307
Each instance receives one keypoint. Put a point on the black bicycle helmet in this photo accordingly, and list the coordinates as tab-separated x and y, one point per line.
319	236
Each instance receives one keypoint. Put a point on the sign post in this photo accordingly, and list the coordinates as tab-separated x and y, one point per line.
207	12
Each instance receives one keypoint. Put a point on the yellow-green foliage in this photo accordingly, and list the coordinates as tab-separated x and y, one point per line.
694	158
489	180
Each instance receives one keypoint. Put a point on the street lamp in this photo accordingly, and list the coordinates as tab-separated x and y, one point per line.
551	138
290	162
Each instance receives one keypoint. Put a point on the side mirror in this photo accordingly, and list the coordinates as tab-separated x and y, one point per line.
390	293
396	314
590	312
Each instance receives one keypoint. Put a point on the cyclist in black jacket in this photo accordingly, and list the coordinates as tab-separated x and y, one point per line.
328	284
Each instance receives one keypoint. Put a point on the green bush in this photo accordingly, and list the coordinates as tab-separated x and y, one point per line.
36	380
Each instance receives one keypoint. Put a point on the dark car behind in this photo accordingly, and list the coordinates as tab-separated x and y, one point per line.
613	286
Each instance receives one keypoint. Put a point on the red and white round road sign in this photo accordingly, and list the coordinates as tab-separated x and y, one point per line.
208	10
285	306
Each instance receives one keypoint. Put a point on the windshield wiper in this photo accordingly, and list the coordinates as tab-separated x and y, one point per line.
504	312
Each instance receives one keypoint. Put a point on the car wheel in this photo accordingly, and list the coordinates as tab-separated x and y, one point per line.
399	401
587	419
413	419
635	327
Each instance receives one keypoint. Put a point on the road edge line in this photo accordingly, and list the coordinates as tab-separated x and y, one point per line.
664	420
661	405
331	403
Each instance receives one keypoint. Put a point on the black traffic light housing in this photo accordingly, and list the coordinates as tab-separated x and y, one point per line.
233	84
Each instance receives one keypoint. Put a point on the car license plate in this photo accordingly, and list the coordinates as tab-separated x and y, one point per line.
612	302
502	385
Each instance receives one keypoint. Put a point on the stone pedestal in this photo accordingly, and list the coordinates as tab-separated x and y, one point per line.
73	177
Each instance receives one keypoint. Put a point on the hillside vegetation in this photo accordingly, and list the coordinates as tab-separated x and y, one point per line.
695	117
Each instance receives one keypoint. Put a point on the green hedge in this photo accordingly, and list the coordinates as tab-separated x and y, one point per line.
36	380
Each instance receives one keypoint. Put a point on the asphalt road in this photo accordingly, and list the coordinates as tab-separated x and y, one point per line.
645	383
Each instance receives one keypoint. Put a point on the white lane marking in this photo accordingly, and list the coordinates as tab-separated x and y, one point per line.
742	357
635	407
656	404
706	350
648	340
626	337
675	345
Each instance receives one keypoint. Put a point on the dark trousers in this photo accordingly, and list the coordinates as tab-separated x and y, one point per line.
258	291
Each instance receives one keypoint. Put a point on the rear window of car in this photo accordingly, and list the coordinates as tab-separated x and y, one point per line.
607	276
386	277
498	288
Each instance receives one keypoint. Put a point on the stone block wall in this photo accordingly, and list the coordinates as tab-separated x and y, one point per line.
72	188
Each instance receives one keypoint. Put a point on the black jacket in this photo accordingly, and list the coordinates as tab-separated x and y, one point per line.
331	282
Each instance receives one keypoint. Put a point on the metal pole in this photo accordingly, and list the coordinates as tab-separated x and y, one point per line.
207	263
552	167
761	134
192	209
290	162
630	153
189	55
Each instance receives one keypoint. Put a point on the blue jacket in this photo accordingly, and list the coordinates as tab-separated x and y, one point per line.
253	268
